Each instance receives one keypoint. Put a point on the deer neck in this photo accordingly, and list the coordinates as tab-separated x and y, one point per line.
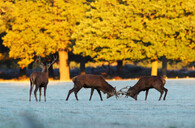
108	89
45	71
136	89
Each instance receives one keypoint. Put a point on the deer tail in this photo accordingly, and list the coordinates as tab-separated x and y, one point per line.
77	82
32	82
74	78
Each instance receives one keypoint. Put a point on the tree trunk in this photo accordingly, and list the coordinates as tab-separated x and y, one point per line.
22	72
164	66
119	67
30	66
51	71
29	69
154	68
64	65
82	66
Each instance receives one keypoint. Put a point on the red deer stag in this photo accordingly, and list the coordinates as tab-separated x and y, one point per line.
40	79
94	82
145	83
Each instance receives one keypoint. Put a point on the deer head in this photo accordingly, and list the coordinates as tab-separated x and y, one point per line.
110	94
46	66
131	93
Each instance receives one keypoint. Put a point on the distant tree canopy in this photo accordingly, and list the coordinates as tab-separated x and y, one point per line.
132	30
42	27
167	28
5	24
103	33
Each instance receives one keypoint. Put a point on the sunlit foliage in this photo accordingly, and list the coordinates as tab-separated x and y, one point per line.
133	30
107	30
103	33
41	28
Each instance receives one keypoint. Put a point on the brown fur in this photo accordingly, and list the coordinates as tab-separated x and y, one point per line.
94	82
145	83
39	79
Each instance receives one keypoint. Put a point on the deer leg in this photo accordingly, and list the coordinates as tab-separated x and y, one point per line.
92	89
31	88
146	94
39	94
35	93
99	94
75	92
76	96
70	91
166	90
161	92
45	93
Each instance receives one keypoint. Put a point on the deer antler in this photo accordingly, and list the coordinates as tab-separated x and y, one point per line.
122	92
54	59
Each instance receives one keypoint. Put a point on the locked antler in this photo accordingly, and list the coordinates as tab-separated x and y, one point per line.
121	92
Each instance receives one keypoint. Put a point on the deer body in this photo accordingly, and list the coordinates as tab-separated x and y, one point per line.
145	83
94	82
40	80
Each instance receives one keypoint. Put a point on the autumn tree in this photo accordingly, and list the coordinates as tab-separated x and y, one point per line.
43	27
111	30
103	34
6	6
168	29
133	30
